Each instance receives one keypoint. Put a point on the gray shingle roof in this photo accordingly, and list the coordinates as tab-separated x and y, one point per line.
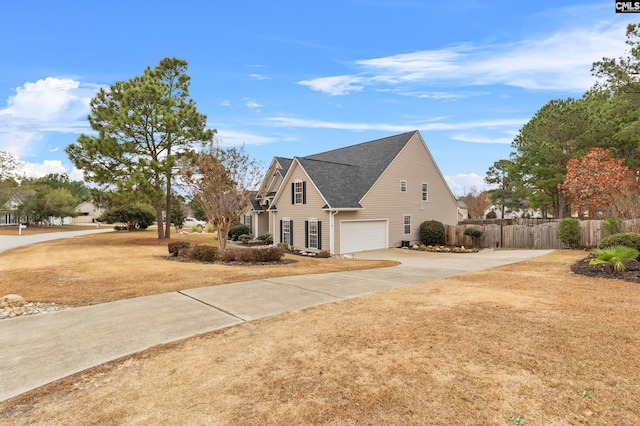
255	204
285	163
345	175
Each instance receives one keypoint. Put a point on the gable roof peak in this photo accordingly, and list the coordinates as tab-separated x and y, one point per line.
360	165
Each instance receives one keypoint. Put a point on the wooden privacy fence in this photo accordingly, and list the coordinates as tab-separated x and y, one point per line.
542	236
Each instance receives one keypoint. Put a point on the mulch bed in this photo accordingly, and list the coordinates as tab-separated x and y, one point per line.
632	274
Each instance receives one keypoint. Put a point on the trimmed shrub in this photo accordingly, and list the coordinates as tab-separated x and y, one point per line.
473	232
612	225
245	256
627	239
228	255
176	246
252	255
324	254
244	238
202	253
431	232
569	232
269	254
238	230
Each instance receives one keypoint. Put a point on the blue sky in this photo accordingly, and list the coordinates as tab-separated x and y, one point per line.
289	78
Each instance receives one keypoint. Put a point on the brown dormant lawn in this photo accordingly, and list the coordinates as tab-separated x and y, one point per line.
101	268
529	343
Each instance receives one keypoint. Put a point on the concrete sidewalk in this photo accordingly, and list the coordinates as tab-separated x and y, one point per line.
42	348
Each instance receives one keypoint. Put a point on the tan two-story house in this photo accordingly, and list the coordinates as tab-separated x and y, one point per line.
367	196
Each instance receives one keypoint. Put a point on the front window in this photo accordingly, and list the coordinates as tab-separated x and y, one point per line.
298	191
403	186
425	192
247	220
286	232
313	234
407	224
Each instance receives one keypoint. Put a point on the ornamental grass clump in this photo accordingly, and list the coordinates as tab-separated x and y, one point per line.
616	257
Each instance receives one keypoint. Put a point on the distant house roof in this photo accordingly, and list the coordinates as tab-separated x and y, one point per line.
359	166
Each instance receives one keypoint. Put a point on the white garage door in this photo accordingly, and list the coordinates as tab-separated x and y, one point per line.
363	235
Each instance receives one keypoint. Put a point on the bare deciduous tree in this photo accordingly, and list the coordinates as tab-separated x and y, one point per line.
222	180
477	203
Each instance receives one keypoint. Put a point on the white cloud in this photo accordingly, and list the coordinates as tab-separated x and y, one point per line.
258	76
48	105
318	124
339	85
462	183
500	124
225	103
250	103
560	61
232	138
44	168
483	139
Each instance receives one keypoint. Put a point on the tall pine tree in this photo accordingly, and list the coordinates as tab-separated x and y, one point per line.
141	125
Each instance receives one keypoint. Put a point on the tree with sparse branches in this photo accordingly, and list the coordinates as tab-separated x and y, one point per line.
222	181
9	166
9	170
477	202
142	126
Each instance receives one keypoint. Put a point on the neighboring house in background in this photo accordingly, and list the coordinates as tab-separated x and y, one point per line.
367	196
8	214
88	212
463	211
512	214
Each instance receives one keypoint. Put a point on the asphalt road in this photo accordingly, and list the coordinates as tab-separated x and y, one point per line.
8	242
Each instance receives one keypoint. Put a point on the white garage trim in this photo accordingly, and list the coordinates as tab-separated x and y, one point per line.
362	235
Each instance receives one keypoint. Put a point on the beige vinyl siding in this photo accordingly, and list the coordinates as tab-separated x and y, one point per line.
415	165
299	213
263	223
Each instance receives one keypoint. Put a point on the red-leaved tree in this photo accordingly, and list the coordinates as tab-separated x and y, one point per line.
598	183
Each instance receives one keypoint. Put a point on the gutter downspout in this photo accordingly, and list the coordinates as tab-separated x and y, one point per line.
332	236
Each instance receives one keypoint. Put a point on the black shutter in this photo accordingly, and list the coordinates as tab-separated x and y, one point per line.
319	235
281	231
306	234
291	232
304	192
293	193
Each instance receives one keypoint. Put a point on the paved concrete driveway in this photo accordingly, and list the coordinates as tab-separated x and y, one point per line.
39	349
